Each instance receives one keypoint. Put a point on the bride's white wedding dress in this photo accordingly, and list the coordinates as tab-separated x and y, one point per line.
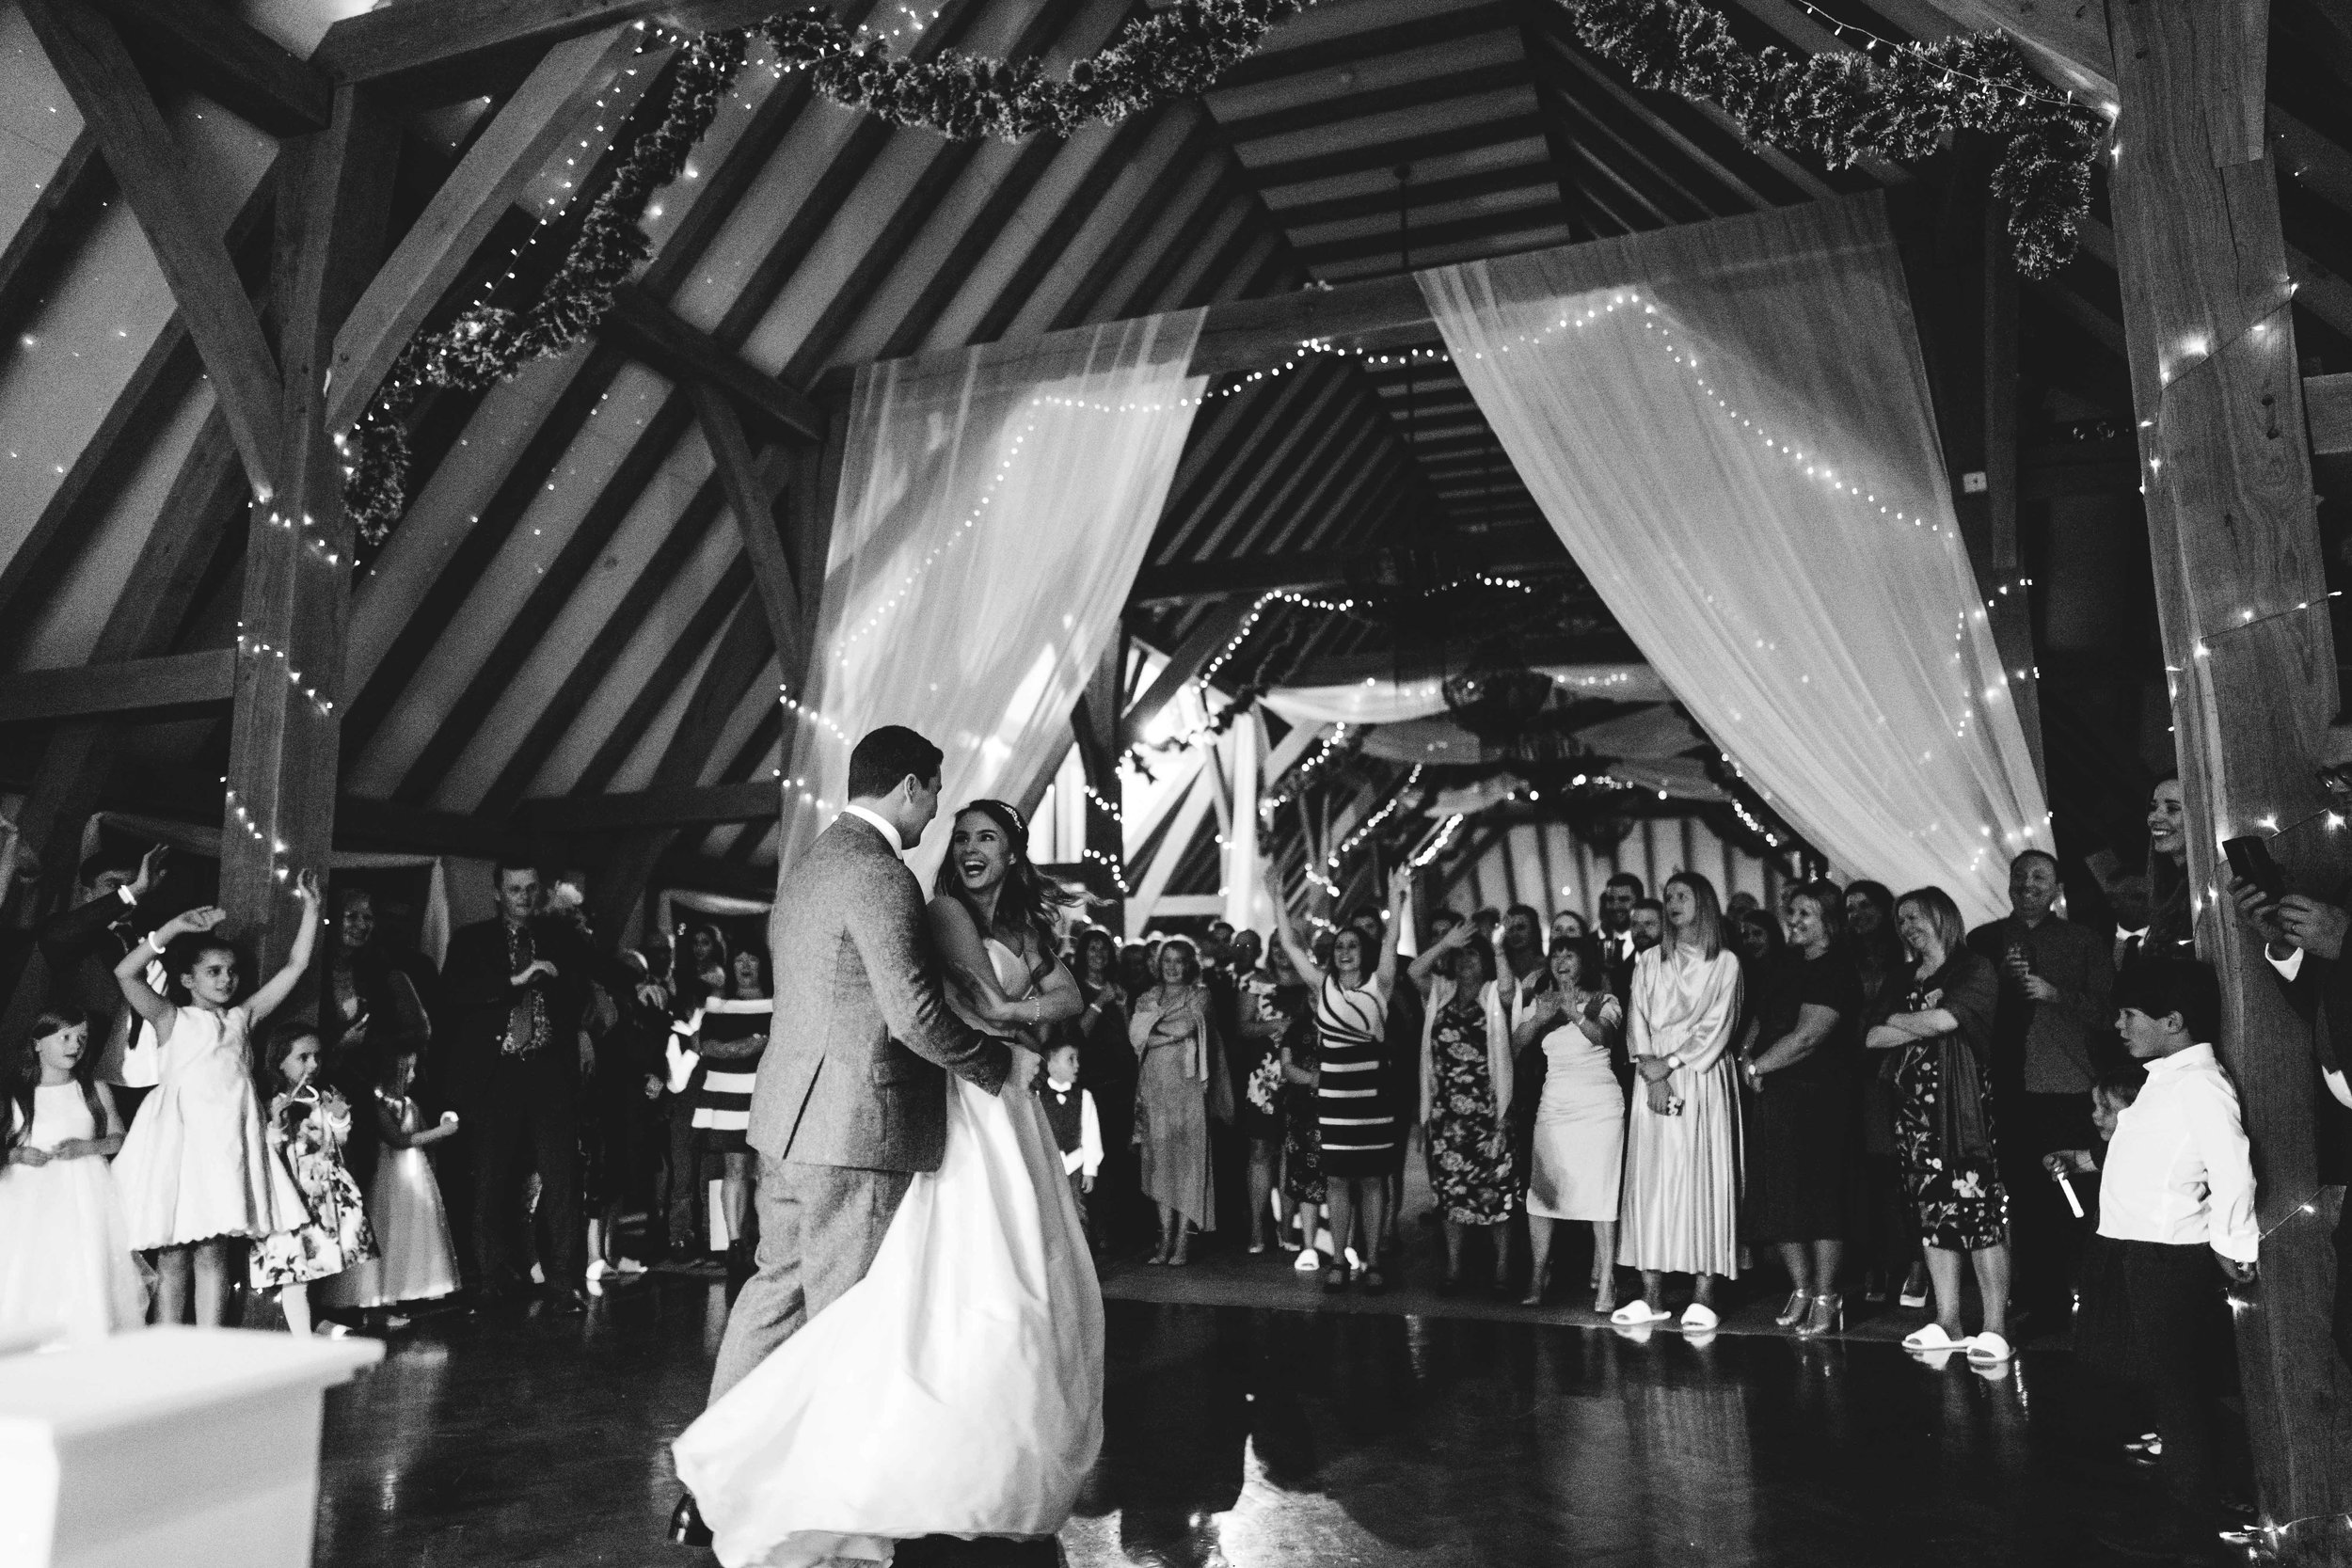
957	1389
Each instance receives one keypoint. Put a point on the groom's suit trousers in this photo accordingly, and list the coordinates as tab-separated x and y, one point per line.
819	1227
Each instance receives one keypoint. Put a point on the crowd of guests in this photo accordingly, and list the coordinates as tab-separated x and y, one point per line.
1854	1088
365	1132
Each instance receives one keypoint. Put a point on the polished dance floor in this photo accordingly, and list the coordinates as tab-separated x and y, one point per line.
1278	1437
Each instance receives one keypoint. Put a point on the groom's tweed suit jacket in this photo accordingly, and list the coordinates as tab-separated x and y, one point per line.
858	1056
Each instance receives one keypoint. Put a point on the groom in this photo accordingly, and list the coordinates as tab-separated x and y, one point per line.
852	1095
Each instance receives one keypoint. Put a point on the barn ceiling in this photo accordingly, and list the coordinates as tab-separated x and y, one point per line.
566	610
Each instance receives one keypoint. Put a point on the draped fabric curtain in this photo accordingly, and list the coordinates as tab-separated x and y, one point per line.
1374	700
994	505
1728	425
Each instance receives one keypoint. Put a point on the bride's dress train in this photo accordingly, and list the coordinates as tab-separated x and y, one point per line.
957	1389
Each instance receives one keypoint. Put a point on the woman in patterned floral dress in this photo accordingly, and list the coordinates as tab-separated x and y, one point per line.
1468	1095
1948	1165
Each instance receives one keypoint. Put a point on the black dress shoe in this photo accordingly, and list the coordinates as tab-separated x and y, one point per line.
566	1301
686	1523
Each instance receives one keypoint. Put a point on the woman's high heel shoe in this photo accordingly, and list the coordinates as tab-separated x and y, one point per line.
1828	1313
1793	1313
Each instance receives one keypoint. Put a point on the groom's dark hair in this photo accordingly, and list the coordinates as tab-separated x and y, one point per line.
886	755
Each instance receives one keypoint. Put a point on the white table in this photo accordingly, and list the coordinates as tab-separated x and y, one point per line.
167	1447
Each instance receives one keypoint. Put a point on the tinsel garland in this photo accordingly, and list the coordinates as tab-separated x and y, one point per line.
1845	106
489	343
1175	53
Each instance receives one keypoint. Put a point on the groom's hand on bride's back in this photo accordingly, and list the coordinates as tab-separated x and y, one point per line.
1021	1076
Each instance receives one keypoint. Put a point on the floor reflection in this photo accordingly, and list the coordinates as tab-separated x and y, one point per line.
1270	1439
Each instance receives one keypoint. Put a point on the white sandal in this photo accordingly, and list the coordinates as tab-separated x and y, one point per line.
1988	1350
1931	1337
1698	1318
1637	1313
1308	1261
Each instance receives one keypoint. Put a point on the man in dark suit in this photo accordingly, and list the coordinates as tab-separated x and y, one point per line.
1617	951
513	990
852	1094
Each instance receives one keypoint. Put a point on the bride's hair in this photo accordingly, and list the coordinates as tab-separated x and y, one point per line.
1027	899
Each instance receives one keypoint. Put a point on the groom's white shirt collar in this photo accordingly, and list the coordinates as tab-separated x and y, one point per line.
888	828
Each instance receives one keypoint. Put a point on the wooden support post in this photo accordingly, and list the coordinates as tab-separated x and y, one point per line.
2233	537
1970	336
1096	725
285	734
754	520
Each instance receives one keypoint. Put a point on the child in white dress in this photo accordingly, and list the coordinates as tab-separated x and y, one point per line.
66	1264
411	1221
197	1172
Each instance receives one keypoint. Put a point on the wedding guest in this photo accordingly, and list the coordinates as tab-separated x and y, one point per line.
1077	1128
1617	897
1467	1098
1303	1184
1138	970
1567	925
417	1258
2171	920
1757	937
1174	1035
199	1178
66	1264
78	951
1944	1121
2051	1038
702	964
2177	1199
1106	1070
1880	1220
1800	1076
1268	1006
730	1036
367	1008
307	1127
1682	1160
1358	1120
520	1073
1649	925
1566	1097
628	1120
1520	956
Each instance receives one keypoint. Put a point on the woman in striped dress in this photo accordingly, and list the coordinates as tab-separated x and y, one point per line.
730	1033
1358	1124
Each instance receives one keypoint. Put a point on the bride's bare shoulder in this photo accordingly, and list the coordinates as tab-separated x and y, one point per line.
953	927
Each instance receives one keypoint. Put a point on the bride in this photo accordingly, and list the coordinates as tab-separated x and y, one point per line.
957	1389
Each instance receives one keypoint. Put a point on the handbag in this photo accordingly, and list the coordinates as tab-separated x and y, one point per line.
1961	1128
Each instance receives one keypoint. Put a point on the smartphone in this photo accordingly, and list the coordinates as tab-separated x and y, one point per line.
2250	862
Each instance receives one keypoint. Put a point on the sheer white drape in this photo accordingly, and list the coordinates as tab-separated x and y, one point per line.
1374	701
1728	425
994	505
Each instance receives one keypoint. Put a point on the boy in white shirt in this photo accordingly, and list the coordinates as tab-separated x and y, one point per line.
2176	1222
1077	1130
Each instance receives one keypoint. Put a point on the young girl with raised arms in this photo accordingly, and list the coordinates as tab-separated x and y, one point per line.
65	1250
197	1172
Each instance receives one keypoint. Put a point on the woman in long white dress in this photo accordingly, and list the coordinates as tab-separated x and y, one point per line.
957	1389
1681	1203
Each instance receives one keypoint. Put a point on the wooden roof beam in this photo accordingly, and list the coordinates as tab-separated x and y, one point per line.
89	58
440	51
647	329
172	680
2067	42
676	806
538	119
243	70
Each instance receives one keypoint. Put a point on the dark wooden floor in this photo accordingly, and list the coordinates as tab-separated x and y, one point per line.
1271	1438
